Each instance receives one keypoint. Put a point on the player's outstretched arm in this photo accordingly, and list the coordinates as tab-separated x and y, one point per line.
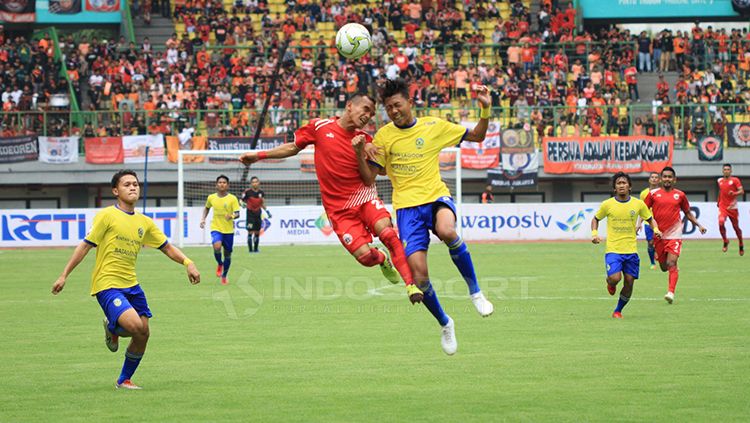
480	130
691	217
179	257
281	152
657	232
78	255
367	171
595	231
203	218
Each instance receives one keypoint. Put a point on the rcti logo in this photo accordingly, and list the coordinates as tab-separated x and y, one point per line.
574	221
43	227
324	224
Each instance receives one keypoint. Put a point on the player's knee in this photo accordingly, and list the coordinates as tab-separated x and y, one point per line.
671	263
227	254
446	233
614	278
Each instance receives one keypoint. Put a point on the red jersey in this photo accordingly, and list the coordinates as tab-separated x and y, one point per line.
666	206
336	163
253	199
726	200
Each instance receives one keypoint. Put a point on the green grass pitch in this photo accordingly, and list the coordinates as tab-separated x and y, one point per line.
306	334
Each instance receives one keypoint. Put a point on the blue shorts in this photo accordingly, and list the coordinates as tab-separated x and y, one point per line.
115	301
415	224
649	231
227	240
626	263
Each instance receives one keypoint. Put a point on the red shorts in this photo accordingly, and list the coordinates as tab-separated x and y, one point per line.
732	214
667	246
354	226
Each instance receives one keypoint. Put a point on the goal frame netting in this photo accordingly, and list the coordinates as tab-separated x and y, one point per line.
457	192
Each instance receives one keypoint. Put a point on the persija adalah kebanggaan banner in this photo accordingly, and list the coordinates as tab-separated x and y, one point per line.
607	154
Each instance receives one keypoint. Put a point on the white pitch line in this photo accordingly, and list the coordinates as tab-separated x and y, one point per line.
378	292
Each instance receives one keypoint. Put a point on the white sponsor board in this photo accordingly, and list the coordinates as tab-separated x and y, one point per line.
309	225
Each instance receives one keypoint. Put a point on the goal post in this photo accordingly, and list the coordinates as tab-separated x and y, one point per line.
287	182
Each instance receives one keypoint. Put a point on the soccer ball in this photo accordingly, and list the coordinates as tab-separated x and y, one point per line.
353	41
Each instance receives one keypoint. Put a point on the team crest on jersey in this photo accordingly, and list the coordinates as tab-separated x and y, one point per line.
347	239
419	142
140	232
632	212
676	196
117	302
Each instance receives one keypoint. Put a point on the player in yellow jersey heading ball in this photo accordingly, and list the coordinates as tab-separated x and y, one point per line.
226	209
621	255
407	150
118	234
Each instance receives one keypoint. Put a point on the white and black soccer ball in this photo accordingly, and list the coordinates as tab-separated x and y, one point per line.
353	41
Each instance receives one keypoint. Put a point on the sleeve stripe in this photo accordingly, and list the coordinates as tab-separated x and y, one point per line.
89	242
375	164
164	244
463	137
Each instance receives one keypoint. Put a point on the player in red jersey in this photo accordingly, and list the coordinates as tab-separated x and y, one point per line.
730	188
666	203
354	209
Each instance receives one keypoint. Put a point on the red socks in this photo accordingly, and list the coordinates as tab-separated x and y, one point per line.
372	258
673	275
398	256
723	232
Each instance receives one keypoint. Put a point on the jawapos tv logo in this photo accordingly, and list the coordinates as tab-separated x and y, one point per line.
324	224
574	221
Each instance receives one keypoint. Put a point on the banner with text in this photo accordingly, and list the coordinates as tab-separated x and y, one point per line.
591	155
19	149
58	149
600	9
103	150
310	225
739	134
134	147
481	155
519	160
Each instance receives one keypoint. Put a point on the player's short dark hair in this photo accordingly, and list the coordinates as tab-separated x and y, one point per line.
619	175
393	87
224	177
361	94
120	173
729	165
254	178
668	169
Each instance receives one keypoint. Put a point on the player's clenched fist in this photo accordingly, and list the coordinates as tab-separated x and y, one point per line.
249	158
358	142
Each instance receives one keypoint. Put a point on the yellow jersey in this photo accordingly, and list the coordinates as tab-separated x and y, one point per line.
223	206
644	194
118	237
621	220
411	156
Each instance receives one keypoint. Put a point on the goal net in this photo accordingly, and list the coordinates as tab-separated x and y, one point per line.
290	185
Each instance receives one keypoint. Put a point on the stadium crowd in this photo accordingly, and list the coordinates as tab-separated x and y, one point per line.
216	69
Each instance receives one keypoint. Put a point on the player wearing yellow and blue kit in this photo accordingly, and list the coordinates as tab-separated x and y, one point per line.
226	209
621	255
653	183
407	150
118	233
